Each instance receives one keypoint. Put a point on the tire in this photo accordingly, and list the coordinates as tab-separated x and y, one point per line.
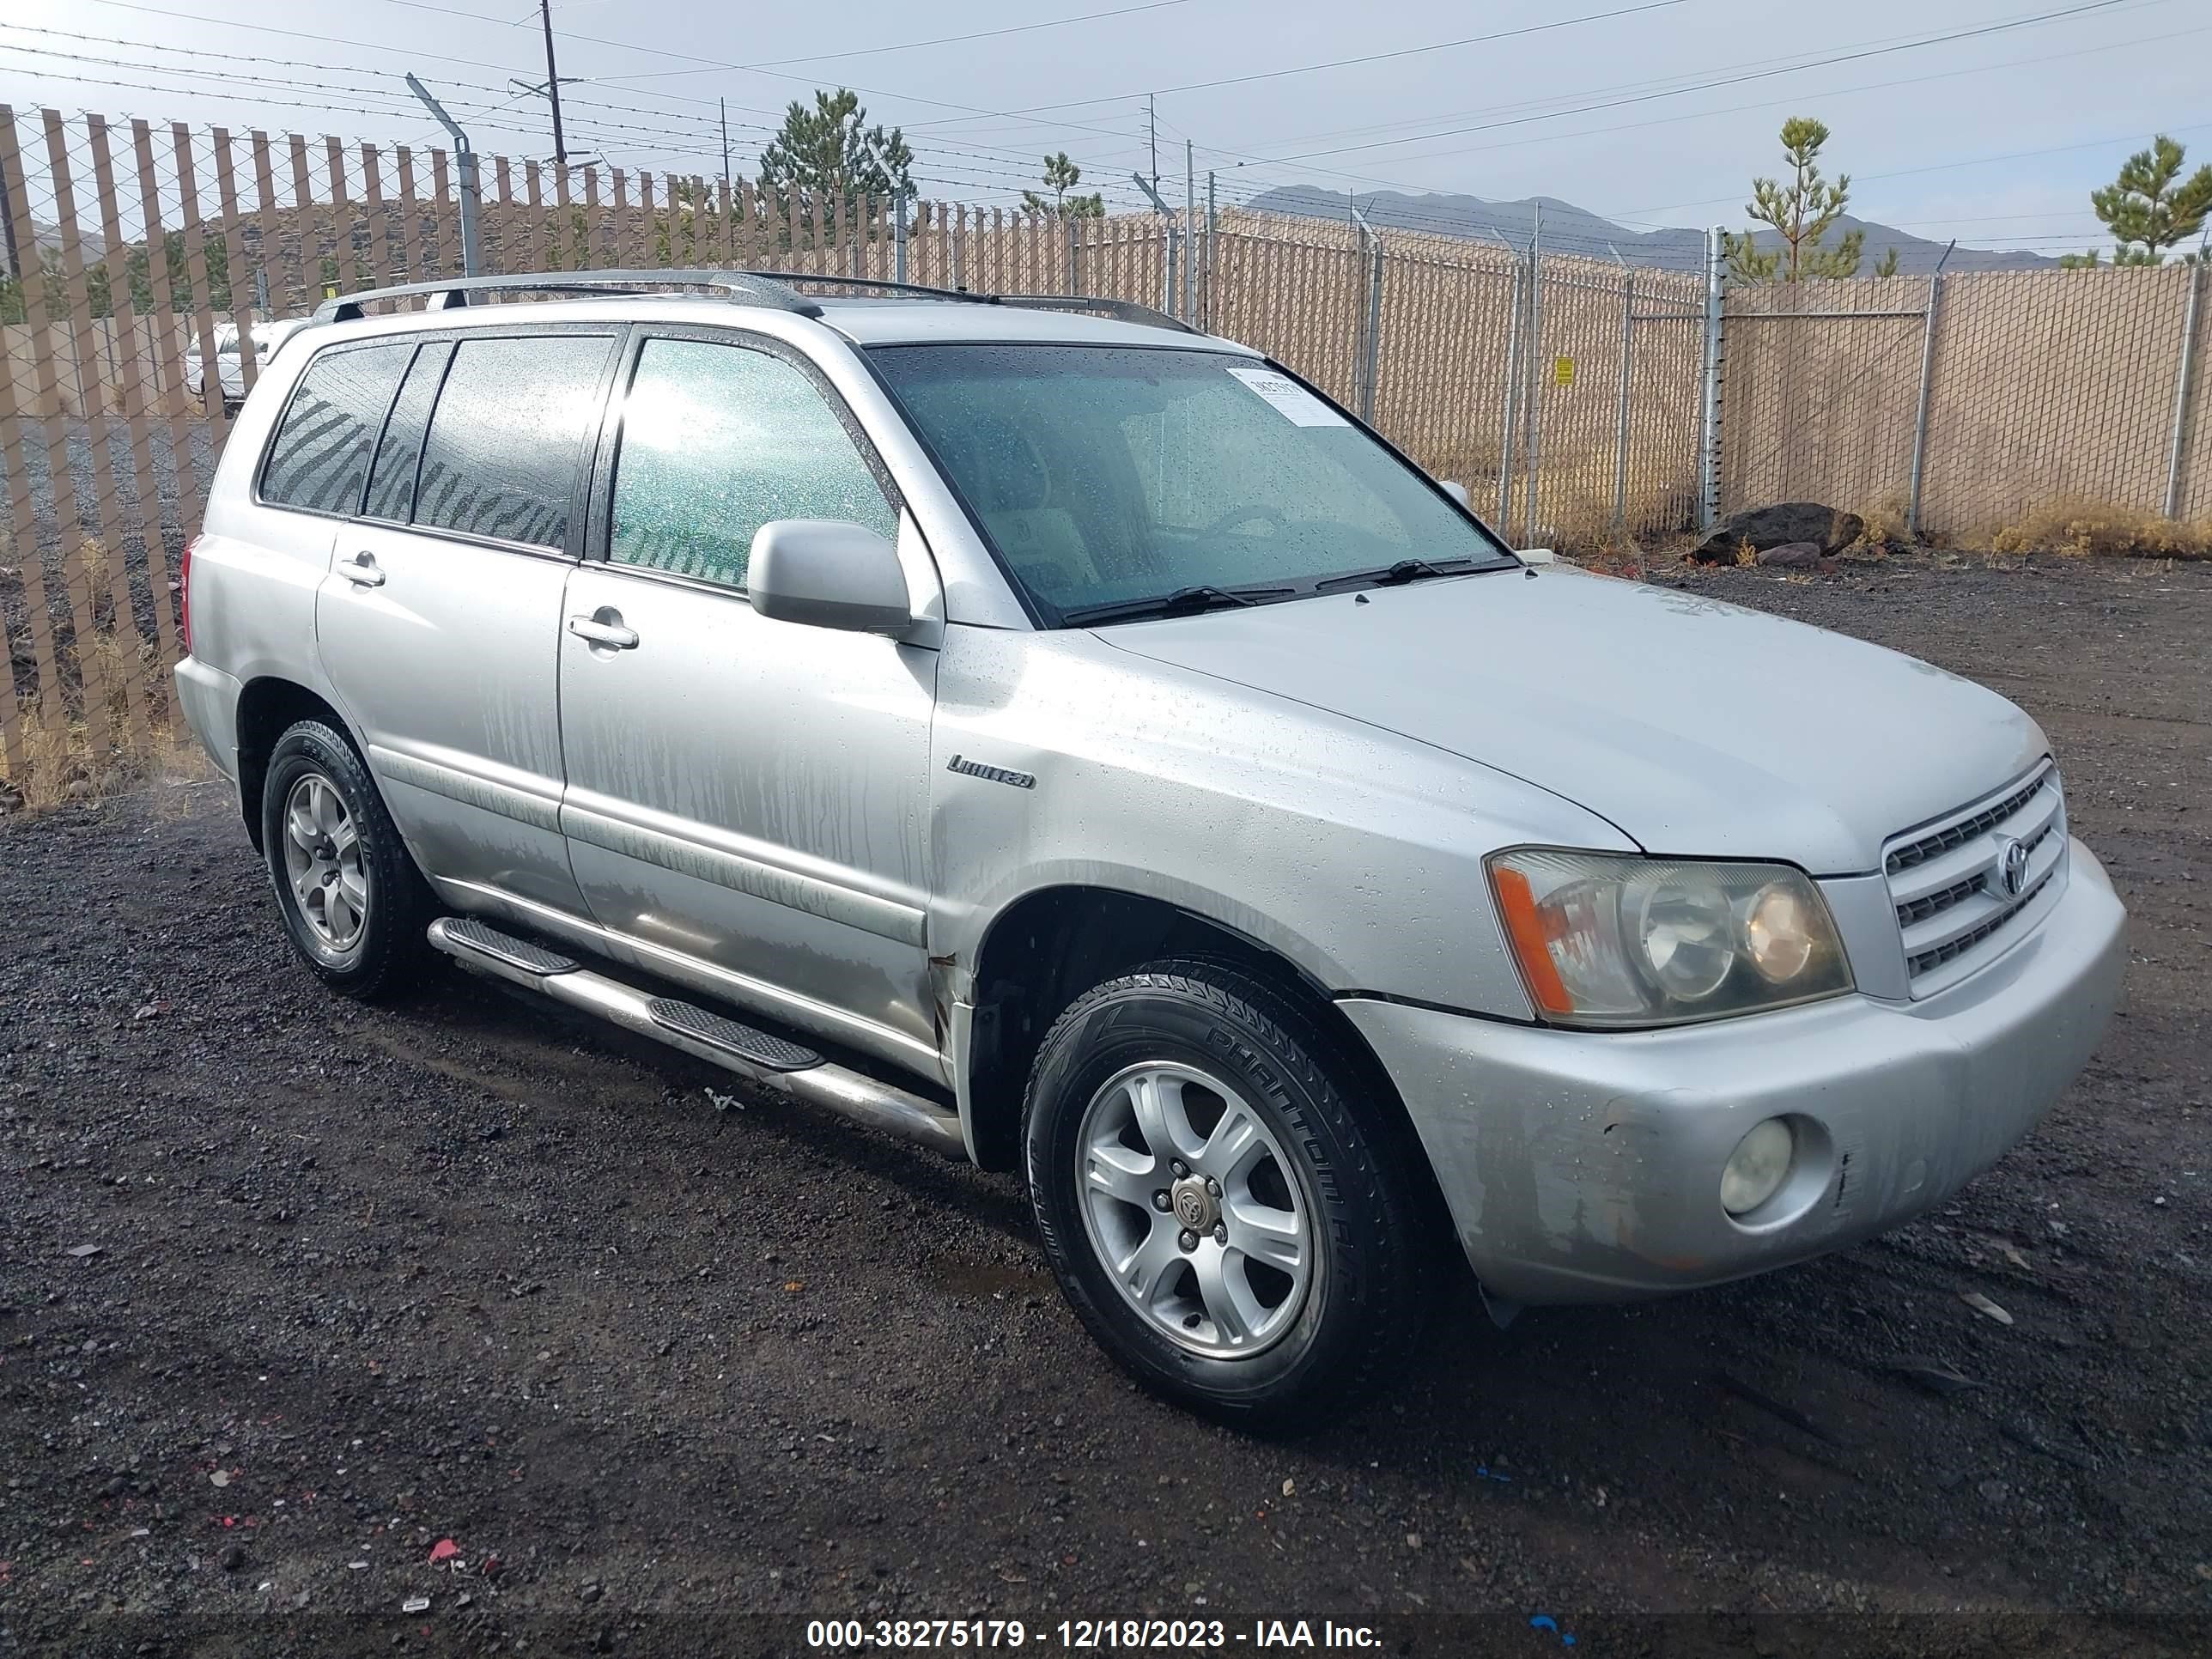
355	906
1215	1048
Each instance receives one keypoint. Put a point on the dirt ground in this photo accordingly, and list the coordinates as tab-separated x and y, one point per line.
291	1292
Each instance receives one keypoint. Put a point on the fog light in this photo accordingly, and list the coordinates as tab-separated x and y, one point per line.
1757	1167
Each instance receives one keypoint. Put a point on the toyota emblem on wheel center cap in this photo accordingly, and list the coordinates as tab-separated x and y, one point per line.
1194	1205
2012	867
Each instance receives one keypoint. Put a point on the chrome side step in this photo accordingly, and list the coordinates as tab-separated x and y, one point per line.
760	1057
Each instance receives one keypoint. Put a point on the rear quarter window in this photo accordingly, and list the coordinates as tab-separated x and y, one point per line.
317	461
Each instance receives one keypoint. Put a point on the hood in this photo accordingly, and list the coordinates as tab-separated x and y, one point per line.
1696	727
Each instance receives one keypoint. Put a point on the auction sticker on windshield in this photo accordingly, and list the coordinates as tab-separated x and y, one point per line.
1289	400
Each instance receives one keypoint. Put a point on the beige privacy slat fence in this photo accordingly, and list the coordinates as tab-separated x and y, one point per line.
1576	398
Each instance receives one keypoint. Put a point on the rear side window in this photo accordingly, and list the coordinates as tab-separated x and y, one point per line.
318	459
718	441
391	479
506	435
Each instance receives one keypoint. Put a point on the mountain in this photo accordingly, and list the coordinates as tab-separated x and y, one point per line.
1570	229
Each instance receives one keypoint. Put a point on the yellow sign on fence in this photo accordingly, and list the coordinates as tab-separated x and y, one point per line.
1563	371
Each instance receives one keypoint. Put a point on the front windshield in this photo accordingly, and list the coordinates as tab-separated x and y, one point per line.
1112	474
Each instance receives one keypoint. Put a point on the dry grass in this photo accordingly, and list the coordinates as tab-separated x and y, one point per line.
65	744
2099	528
64	763
1882	522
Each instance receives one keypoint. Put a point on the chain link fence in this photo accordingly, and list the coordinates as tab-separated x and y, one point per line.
1579	400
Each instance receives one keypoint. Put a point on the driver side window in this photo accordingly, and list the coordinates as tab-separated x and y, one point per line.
718	439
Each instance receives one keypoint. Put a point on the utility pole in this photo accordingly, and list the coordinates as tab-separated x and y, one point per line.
725	104
1153	132
465	159
553	81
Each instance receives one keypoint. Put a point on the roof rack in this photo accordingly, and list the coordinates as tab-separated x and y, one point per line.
1126	310
742	287
873	285
754	288
1122	311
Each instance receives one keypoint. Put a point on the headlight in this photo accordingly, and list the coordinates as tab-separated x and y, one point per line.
1604	940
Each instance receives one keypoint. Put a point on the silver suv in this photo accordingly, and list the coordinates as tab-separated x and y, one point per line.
1075	744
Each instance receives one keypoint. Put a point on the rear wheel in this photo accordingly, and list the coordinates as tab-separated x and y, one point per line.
1233	1222
353	904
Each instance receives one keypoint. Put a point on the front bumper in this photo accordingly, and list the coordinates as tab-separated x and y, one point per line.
1585	1167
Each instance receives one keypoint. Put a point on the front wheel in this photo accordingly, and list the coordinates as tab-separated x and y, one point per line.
1228	1210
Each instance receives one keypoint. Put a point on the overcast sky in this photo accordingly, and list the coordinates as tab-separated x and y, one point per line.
1652	111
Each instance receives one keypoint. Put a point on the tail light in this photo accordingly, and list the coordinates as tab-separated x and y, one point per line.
185	592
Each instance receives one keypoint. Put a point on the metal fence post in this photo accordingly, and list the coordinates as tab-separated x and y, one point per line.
1709	435
471	257
2181	388
1920	416
898	234
471	250
1512	397
1167	244
1534	407
1620	434
1368	361
1213	247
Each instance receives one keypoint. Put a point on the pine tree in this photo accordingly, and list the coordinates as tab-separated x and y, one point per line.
1802	212
1888	265
2146	210
828	153
1061	176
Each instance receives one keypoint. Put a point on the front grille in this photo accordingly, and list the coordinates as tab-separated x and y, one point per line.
1921	908
1958	834
1947	881
1928	961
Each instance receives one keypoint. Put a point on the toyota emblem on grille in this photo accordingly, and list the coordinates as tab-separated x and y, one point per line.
2012	867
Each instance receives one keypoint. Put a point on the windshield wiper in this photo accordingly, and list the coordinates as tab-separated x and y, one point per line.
1396	575
1183	602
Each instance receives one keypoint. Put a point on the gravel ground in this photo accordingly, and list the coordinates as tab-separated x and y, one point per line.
291	1292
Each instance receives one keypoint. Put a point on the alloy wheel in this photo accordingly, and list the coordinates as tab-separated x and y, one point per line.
1195	1210
322	860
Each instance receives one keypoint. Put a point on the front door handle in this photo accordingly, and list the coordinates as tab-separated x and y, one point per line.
361	571
604	630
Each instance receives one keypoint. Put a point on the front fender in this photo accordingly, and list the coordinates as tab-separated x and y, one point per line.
1354	853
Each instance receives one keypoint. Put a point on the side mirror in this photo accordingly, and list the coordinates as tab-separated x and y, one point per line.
1535	556
828	574
1455	488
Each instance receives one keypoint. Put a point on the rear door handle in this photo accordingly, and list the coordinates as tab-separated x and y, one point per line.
605	629
360	570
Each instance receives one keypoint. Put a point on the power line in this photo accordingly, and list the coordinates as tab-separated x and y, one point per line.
410	52
1700	115
715	64
911	45
2087	6
703	124
1368	57
1938	167
1549	103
